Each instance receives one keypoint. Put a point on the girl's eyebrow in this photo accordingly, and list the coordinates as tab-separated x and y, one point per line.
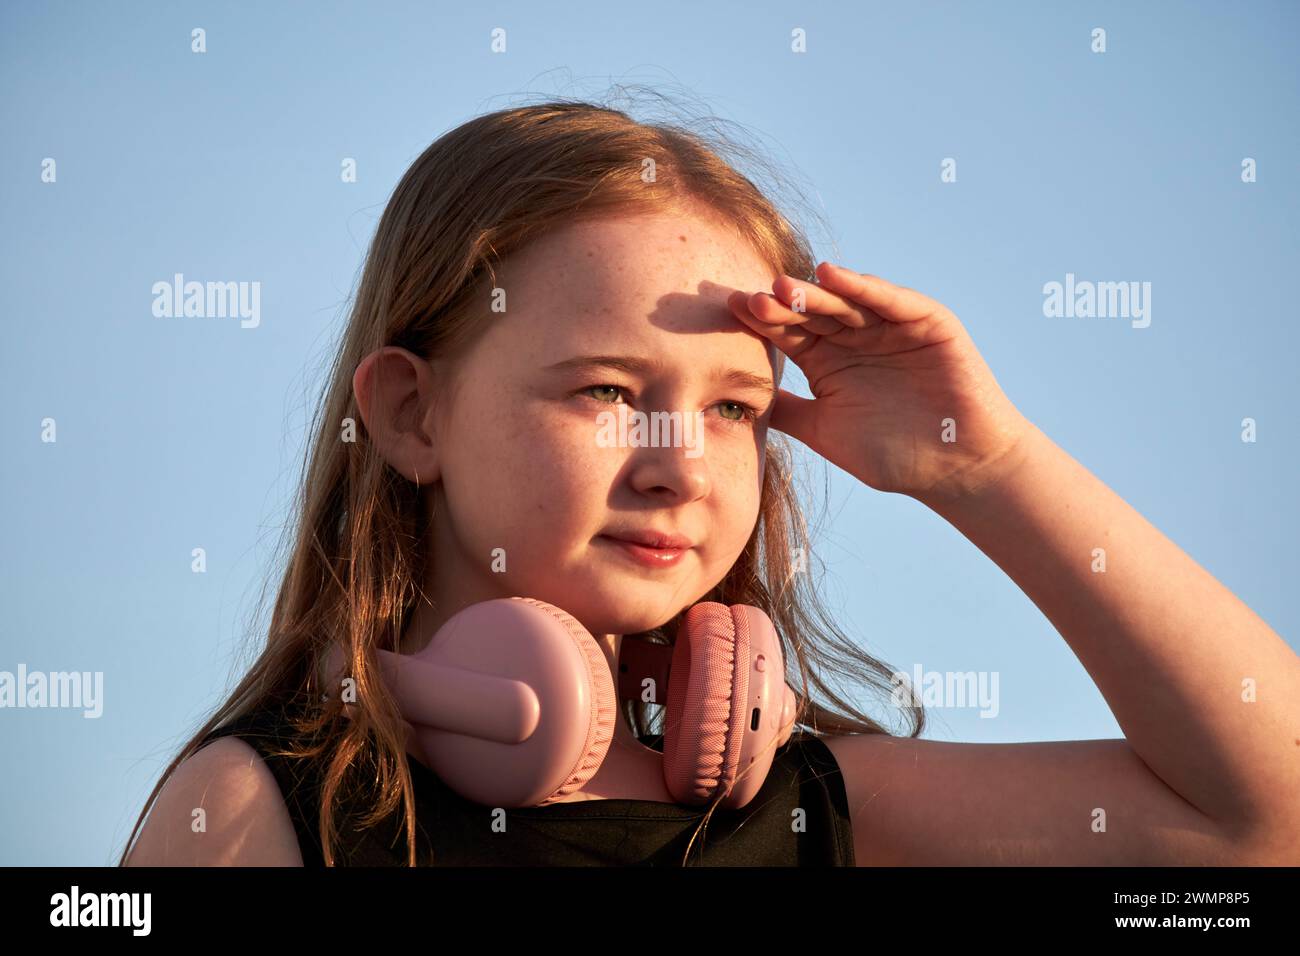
734	377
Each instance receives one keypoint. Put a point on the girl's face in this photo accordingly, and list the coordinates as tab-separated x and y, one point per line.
529	488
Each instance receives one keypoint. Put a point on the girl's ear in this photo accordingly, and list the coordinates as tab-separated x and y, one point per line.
395	391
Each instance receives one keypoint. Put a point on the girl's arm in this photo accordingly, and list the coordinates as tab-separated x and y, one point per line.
1207	694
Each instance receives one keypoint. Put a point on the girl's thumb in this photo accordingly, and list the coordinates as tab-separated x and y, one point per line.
794	415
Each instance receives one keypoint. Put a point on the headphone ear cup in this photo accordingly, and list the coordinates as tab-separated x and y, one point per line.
729	708
539	645
599	703
702	731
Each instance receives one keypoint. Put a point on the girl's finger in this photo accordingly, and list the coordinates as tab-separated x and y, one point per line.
792	339
889	301
769	308
821	301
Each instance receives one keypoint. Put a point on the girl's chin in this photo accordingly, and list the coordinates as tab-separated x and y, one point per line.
624	614
613	598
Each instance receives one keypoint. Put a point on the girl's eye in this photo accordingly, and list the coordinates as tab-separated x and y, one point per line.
745	413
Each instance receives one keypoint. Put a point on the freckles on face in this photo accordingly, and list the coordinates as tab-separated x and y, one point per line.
520	478
521	462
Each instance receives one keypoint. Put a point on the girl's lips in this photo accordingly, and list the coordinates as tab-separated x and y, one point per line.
646	557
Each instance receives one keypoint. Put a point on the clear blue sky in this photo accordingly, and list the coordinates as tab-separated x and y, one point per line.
1122	166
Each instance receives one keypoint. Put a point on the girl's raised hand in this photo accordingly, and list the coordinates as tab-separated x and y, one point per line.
904	401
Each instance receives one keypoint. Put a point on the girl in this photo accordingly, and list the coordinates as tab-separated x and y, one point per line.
540	265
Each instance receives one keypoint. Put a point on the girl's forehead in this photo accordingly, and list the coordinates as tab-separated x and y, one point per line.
626	249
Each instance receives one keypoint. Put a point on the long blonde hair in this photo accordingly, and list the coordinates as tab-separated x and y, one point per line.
358	549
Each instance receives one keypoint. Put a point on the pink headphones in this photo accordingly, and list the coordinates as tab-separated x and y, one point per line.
512	703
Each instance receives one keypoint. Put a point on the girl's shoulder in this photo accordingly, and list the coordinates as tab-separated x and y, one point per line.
261	738
221	806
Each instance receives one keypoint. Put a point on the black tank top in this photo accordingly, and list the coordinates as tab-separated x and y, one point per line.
453	831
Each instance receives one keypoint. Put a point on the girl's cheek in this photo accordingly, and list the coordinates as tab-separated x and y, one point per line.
733	462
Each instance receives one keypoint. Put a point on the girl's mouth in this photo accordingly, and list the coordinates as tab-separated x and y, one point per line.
644	555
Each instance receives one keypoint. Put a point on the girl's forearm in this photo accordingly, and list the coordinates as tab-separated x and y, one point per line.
1206	693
